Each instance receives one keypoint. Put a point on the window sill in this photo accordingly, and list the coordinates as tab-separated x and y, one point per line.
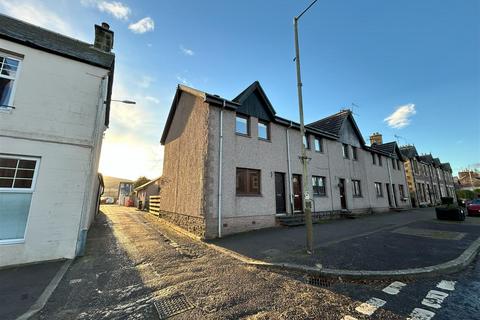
12	241
242	135
6	109
248	195
265	140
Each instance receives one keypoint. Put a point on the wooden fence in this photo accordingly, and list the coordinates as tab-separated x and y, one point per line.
154	205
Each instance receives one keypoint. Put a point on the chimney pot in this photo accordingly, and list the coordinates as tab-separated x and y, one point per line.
105	25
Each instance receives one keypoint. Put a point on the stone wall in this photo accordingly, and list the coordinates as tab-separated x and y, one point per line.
192	224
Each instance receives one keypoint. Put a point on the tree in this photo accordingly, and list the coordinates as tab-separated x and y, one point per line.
465	194
140	181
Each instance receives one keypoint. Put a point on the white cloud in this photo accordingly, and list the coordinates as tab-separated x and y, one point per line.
115	8
187	52
401	116
152	99
37	14
142	26
145	81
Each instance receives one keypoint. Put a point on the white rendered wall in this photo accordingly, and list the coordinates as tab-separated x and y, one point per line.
56	104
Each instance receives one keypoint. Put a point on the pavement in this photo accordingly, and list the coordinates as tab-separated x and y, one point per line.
405	243
21	287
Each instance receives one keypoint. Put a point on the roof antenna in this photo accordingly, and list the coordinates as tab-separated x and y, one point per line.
352	108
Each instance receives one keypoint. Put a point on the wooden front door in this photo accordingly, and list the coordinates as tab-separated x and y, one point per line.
388	195
297	192
343	197
280	192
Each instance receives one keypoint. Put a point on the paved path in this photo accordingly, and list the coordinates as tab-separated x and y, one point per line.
391	241
20	287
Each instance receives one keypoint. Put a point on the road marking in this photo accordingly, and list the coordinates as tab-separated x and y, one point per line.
447	285
394	288
73	281
369	307
349	318
421	314
434	299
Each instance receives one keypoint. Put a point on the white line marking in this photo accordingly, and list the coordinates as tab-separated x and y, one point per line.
434	299
421	314
369	307
349	318
73	281
394	288
447	285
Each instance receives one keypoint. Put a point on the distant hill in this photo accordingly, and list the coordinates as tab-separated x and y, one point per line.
111	185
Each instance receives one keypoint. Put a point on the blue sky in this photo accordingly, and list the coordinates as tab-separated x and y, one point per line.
417	62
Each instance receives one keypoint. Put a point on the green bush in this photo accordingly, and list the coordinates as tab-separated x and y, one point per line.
465	194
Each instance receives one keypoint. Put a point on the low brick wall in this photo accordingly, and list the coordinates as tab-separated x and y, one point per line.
192	224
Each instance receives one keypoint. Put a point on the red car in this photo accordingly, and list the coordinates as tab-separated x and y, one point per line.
473	208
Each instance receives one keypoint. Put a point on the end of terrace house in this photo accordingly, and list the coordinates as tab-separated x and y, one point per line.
234	165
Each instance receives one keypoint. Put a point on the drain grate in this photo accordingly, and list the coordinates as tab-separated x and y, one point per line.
168	307
320	281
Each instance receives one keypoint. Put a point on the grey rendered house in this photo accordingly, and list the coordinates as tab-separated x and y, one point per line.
233	165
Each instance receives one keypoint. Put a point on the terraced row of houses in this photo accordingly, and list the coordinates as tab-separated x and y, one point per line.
234	165
428	178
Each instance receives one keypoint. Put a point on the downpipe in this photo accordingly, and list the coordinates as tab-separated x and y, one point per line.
220	156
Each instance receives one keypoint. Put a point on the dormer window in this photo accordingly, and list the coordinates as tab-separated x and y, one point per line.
242	125
8	74
263	130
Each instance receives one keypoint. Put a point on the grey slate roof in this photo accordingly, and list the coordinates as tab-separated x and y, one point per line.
36	37
388	147
426	158
436	162
446	166
409	151
331	124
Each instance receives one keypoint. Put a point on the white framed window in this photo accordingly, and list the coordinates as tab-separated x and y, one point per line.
17	183
9	69
357	190
318	144
318	184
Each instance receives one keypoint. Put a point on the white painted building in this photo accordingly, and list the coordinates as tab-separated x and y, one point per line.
54	107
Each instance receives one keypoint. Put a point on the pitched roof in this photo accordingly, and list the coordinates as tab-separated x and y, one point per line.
409	151
436	162
390	148
446	166
253	101
332	123
42	39
427	158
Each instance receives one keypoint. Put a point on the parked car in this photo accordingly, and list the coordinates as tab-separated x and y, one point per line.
449	211
107	200
473	207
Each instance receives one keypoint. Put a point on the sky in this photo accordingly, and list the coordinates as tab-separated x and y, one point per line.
408	69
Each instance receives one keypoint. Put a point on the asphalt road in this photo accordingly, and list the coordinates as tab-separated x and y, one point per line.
133	260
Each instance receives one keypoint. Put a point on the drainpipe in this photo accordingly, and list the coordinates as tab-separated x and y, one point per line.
220	156
289	179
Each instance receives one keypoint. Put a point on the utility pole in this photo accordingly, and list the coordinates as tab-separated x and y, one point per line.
306	198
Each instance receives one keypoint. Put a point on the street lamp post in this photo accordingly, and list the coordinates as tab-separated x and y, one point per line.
305	199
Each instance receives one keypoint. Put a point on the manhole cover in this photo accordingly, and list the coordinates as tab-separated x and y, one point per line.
167	307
